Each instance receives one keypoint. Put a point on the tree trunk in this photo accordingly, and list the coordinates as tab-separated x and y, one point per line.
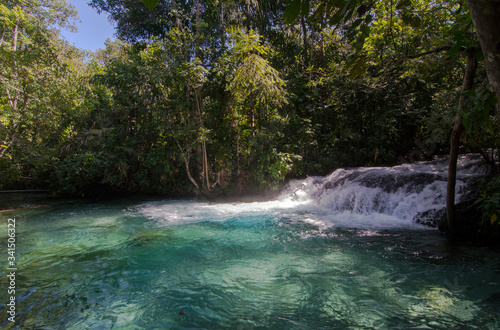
456	134
486	17
205	164
186	162
203	159
186	157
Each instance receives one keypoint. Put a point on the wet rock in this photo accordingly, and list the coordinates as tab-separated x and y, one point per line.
431	218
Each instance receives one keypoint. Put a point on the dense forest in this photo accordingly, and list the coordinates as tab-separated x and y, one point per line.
231	97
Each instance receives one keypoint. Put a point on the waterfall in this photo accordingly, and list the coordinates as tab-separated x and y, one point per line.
412	192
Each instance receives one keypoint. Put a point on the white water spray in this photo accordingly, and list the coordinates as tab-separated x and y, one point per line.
407	195
409	192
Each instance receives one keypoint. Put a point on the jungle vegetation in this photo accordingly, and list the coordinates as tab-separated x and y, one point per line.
223	97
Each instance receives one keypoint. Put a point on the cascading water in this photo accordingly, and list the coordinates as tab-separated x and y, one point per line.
410	192
402	196
336	252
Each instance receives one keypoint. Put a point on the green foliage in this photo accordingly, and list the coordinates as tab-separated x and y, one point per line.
10	173
489	204
221	96
78	175
478	116
39	80
256	79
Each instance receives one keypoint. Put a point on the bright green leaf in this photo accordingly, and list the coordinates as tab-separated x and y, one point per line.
151	4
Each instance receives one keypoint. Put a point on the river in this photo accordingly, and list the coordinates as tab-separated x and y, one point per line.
345	251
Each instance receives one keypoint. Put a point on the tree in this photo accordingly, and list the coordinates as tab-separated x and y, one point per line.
360	19
486	17
456	136
255	82
221	101
37	68
113	50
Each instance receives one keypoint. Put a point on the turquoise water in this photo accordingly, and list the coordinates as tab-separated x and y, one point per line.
133	264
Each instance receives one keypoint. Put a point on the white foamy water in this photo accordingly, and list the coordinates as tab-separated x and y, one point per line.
178	212
301	261
371	197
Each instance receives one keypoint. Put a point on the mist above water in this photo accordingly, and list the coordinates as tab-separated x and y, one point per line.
407	195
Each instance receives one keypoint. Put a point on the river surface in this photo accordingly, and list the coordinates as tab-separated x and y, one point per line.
311	259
